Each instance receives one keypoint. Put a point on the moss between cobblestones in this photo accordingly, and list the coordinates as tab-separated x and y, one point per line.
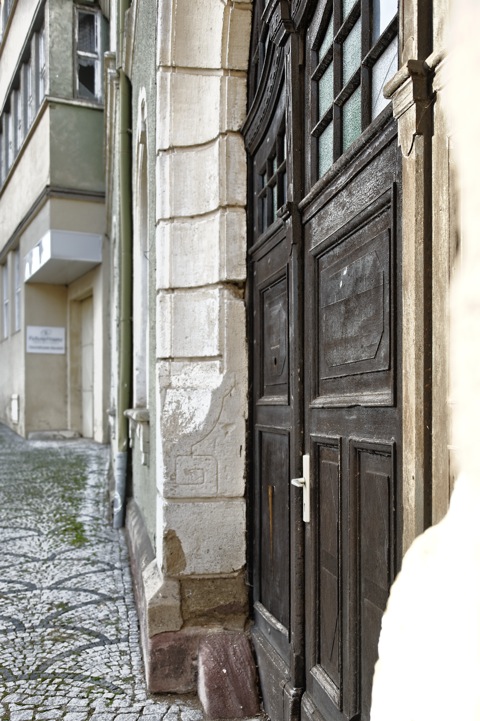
72	531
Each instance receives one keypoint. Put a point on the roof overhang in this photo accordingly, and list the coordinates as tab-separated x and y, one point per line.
62	256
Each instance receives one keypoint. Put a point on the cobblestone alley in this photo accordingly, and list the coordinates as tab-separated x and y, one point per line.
69	644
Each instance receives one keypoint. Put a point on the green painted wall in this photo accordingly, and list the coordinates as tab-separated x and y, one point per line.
76	147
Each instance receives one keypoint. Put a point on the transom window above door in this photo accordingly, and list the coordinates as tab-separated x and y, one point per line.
352	54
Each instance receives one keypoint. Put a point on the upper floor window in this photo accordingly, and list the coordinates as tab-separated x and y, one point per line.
5	308
18	289
89	72
353	54
23	102
5	9
41	66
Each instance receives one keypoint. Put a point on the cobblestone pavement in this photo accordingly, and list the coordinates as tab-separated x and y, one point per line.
69	646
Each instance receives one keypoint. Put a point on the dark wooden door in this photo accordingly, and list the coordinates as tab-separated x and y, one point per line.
325	308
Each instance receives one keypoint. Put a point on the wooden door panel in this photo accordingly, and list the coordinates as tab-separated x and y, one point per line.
375	525
275	536
353	423
353	316
274	351
272	428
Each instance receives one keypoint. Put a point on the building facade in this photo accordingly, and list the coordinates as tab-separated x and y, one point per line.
227	230
282	233
53	254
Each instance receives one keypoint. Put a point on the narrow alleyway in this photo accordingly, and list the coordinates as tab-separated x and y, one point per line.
69	646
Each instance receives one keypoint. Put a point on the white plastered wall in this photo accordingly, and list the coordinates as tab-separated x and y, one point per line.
429	650
141	260
201	359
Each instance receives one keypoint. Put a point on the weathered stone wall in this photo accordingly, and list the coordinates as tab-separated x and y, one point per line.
201	342
190	571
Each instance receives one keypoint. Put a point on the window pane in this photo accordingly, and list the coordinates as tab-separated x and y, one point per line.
352	48
327	39
325	150
41	68
10	137
19	117
6	328
16	266
86	77
347	6
264	213
382	71
325	91
352	119
383	12
86	33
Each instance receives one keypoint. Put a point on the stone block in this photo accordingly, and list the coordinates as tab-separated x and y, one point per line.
201	251
203	439
227	679
158	599
172	662
198	34
195	251
236	43
163	173
162	599
203	374
165	33
195	108
233	103
233	244
163	239
194	181
164	325
203	419
211	534
195	324
215	601
233	170
234	321
164	85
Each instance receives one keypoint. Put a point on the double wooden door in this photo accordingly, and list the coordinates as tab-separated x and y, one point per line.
325	261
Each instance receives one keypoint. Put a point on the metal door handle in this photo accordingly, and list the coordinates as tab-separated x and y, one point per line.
304	483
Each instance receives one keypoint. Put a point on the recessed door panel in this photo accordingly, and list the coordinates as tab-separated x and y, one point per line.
375	493
275	537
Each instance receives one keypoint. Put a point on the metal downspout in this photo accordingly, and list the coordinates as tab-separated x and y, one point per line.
125	280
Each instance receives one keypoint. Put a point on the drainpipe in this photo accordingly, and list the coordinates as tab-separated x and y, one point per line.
125	280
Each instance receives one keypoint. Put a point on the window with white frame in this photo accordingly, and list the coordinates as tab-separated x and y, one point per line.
23	102
88	42
29	86
5	9
41	67
6	309
10	128
17	102
18	290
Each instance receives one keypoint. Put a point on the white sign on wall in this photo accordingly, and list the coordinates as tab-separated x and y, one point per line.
45	339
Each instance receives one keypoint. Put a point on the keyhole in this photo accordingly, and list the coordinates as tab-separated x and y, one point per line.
274	361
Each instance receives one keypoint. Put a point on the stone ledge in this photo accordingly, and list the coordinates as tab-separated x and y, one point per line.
60	435
216	662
